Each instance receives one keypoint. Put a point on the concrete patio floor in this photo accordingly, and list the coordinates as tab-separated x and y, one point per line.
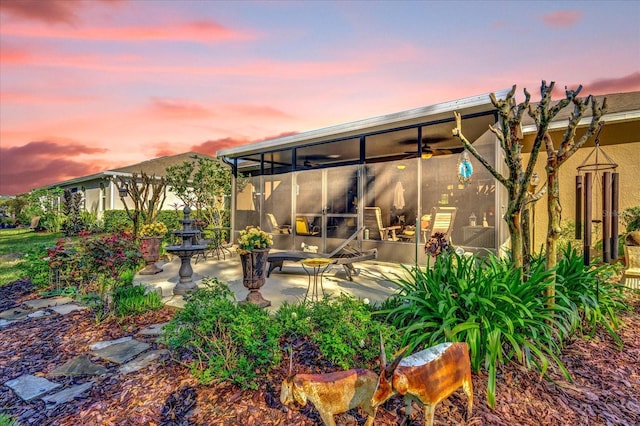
375	280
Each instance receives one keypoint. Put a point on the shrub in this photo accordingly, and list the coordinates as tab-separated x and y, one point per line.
116	221
132	300
37	268
112	254
220	340
484	304
346	334
586	294
631	218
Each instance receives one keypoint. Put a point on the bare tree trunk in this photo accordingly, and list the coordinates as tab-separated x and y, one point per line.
554	212
555	159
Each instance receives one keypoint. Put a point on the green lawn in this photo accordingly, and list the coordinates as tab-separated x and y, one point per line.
14	245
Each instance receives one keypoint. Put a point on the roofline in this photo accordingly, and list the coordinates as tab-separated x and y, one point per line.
584	121
107	174
358	125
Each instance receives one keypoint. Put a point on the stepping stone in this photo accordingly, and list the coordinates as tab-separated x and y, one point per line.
142	361
68	308
80	366
105	343
4	322
120	353
29	387
66	395
14	314
39	314
47	303
153	330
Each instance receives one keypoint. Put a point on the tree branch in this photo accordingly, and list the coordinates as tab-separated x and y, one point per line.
457	131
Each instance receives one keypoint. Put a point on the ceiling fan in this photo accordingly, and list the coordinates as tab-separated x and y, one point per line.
314	160
429	147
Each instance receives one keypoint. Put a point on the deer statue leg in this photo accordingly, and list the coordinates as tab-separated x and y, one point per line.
328	419
369	421
429	410
467	387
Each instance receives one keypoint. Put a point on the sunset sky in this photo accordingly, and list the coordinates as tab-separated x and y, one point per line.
89	85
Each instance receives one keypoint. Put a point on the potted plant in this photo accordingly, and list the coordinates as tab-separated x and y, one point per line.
631	219
151	236
253	247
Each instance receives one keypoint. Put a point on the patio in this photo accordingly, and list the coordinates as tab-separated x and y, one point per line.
375	280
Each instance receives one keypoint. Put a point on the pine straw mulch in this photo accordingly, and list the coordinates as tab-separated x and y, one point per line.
605	388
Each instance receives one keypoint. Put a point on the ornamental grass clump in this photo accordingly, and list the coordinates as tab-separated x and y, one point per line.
253	238
485	304
155	229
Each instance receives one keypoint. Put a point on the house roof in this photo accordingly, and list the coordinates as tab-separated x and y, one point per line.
621	121
441	111
157	166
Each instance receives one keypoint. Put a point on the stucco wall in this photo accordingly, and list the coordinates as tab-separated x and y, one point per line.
627	156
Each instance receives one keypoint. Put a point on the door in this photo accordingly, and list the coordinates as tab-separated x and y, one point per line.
326	207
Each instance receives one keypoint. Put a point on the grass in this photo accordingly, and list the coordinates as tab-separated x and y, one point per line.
14	245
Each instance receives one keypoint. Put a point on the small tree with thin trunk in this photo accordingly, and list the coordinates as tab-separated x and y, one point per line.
556	158
147	194
509	134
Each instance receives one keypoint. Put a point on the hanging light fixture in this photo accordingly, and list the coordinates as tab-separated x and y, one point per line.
123	191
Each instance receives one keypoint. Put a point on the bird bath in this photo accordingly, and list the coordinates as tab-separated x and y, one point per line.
185	251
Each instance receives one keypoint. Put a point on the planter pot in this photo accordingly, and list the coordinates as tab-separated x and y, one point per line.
254	270
150	247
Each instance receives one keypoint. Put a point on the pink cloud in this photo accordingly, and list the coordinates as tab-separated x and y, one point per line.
32	98
197	31
212	146
628	83
48	11
41	163
179	109
561	18
51	11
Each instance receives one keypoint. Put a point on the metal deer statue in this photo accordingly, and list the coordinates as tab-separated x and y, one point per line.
331	393
428	376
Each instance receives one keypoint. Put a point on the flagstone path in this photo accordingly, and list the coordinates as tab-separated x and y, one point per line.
127	353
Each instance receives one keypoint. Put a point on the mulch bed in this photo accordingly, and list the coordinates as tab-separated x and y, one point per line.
605	388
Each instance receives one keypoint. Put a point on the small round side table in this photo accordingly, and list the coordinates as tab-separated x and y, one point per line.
315	268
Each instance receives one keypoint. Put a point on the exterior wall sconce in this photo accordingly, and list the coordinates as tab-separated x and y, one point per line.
123	191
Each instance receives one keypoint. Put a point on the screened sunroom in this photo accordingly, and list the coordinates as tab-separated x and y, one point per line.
386	182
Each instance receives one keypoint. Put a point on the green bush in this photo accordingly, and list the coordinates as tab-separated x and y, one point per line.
346	333
631	218
221	340
116	221
484	304
132	300
7	420
36	267
586	294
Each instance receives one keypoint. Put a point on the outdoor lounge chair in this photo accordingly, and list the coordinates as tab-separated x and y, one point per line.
442	221
275	228
373	222
346	258
303	228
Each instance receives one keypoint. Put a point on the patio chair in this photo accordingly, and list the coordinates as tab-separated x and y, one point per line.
442	221
373	222
275	228
341	255
303	228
